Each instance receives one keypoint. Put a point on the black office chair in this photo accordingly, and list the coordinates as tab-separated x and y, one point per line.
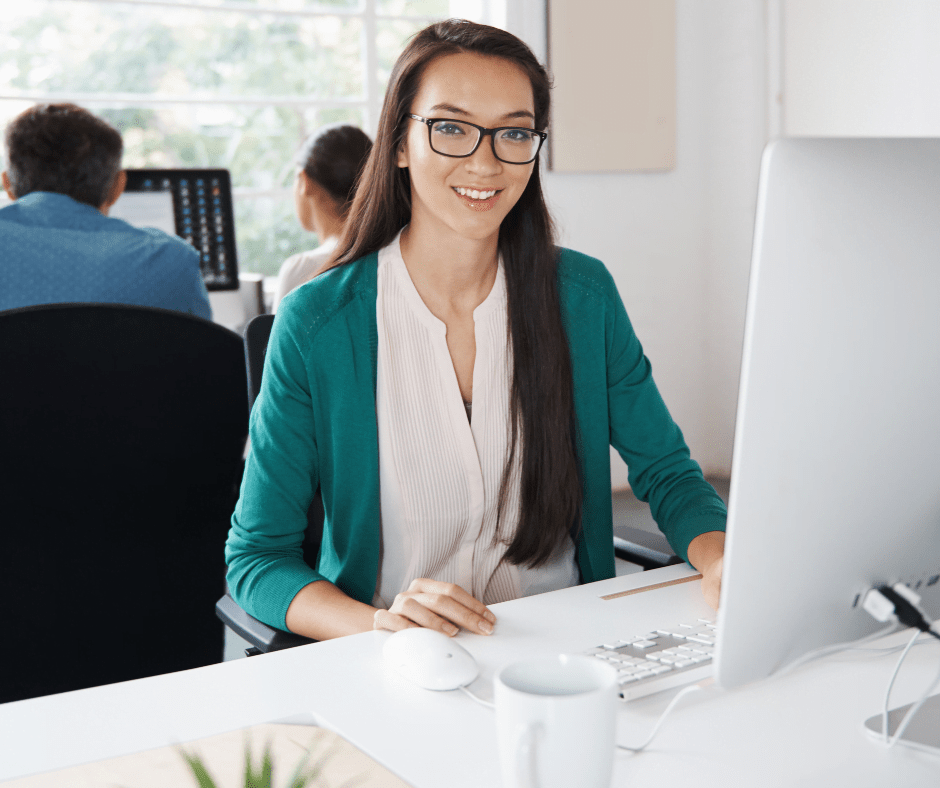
648	550
122	430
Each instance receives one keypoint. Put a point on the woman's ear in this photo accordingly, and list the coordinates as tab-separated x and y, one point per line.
306	183
402	155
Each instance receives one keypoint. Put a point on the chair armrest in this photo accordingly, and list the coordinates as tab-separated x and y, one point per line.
643	548
261	636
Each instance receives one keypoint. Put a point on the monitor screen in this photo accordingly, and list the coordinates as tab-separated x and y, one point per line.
196	205
834	475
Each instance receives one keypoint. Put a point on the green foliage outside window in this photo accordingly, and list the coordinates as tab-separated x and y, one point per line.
232	89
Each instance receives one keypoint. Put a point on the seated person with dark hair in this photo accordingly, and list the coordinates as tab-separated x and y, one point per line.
57	243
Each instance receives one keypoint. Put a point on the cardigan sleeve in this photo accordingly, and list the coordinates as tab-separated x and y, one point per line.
661	470
264	550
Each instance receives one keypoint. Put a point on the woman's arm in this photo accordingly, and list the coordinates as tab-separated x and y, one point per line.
264	550
322	611
686	508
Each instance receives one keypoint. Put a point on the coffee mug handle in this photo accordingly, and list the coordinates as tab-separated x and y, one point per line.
525	755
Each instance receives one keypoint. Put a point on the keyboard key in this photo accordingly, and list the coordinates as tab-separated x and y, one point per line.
643	674
705	641
683	663
644	644
626	679
661	669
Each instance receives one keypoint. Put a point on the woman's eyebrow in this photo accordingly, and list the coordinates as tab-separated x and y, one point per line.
521	113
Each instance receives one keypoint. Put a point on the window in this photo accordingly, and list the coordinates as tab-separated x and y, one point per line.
211	83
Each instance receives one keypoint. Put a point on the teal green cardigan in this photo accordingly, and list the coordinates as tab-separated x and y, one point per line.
313	425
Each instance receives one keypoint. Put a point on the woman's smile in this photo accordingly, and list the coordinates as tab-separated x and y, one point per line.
478	199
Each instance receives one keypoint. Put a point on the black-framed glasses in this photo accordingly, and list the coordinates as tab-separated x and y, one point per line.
460	139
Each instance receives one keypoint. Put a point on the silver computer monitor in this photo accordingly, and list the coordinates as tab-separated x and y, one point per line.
835	481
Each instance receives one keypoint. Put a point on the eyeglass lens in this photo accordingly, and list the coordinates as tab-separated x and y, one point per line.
453	138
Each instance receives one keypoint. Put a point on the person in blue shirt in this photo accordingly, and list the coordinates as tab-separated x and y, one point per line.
57	243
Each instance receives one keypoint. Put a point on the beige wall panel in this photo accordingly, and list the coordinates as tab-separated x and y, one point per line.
614	69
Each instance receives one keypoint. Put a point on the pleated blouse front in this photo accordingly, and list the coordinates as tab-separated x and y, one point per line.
439	474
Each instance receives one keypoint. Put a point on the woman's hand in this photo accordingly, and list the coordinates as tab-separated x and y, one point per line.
436	605
711	582
707	554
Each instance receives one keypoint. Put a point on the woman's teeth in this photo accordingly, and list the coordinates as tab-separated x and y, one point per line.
473	194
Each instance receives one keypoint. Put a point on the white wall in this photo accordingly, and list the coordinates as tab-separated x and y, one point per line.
678	243
861	68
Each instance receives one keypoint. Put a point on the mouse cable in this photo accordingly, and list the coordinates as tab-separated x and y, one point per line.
477	698
662	717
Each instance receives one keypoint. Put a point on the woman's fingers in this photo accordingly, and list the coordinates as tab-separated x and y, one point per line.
385	619
711	582
449	608
438	605
454	591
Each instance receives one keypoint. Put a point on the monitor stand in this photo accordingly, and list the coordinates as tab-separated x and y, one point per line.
924	730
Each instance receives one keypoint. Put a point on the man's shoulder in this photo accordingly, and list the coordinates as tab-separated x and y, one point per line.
171	245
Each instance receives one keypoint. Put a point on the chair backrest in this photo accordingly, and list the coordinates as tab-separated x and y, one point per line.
257	333
123	430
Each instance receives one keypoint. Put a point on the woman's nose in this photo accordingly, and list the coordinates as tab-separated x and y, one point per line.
483	160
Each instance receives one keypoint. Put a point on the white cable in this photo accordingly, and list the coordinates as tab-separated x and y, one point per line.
897	669
476	698
912	711
662	717
672	704
826	650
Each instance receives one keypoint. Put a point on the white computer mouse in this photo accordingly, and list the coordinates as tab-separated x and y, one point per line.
430	659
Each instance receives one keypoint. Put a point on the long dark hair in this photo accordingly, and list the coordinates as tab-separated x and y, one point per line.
541	395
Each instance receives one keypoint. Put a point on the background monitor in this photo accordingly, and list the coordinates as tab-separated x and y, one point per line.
196	205
835	481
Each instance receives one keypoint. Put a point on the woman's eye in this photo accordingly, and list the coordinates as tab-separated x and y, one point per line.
517	135
448	129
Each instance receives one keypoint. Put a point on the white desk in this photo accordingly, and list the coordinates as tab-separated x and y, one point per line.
802	729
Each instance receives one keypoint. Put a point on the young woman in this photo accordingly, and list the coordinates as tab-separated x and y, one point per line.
330	162
453	383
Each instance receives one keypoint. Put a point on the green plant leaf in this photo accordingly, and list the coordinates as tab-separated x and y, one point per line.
203	778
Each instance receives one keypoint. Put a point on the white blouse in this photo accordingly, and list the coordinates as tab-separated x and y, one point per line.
439	473
300	268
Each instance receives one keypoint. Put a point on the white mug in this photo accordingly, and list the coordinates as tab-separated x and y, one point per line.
555	722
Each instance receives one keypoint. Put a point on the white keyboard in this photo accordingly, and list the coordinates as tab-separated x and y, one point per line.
660	659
